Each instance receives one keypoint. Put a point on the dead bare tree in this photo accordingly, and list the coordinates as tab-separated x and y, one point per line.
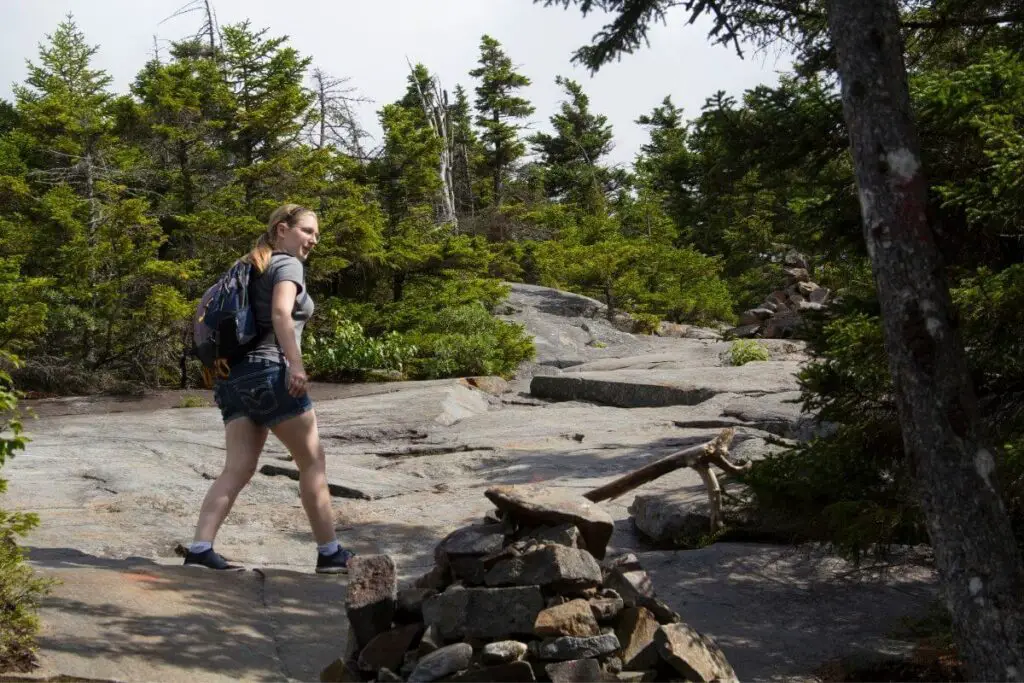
336	123
435	108
208	31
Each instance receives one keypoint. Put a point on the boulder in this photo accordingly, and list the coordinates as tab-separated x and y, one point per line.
442	662
387	650
570	647
635	631
668	517
554	566
575	671
503	652
695	656
484	612
535	505
573	618
372	592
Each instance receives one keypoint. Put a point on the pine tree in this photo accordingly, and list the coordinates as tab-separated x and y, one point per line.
116	304
571	158
468	154
273	108
498	110
665	165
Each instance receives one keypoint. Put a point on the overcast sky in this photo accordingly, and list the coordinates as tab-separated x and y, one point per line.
368	42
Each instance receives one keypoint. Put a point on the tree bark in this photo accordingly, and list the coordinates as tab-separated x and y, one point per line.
976	554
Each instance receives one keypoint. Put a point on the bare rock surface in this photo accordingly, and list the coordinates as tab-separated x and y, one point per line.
118	485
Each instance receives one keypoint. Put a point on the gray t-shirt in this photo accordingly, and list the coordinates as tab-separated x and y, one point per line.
282	267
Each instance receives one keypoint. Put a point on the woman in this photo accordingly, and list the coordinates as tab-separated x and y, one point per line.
266	391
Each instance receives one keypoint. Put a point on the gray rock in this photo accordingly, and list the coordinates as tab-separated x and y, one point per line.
387	650
569	647
635	631
563	534
372	591
668	517
387	676
340	671
484	612
806	288
463	551
503	652
631	582
810	306
442	662
606	608
512	672
409	606
782	326
575	671
535	505
795	275
430	641
745	331
695	656
573	618
556	566
642	388
667	329
820	295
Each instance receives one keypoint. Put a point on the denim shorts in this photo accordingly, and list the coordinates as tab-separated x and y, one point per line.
258	390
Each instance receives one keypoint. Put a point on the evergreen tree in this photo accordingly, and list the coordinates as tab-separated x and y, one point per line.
273	108
665	163
116	304
571	158
468	154
498	110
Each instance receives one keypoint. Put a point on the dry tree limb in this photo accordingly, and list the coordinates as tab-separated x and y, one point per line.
715	451
700	458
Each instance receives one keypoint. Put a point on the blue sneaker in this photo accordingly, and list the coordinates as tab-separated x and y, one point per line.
335	563
209	559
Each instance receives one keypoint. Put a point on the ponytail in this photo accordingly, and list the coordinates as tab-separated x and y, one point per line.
260	254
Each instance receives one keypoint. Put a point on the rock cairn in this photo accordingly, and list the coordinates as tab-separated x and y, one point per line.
780	314
526	595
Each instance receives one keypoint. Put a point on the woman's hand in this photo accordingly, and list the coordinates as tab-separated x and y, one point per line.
298	382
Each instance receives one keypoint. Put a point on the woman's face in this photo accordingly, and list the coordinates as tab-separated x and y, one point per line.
298	240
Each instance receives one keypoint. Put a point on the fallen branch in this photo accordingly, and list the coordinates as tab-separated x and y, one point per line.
700	458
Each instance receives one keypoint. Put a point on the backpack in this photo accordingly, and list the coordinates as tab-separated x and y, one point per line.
224	328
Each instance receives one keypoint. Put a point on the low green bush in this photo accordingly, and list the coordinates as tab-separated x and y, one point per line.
743	351
20	588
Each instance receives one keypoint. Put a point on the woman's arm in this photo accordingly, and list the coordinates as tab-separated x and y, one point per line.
281	305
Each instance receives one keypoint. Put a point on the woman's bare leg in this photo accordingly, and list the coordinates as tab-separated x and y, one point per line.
244	440
302	439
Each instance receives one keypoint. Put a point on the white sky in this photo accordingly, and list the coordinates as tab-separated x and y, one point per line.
369	41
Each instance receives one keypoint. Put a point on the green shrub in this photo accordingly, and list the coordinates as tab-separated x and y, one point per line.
853	488
645	323
466	340
192	401
20	588
743	351
442	327
344	351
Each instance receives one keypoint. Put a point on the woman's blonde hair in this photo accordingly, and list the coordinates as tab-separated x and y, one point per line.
288	214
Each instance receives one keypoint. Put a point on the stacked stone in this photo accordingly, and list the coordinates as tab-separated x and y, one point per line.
521	597
779	316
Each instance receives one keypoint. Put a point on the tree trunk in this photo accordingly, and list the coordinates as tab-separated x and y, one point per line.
977	557
211	28
497	161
